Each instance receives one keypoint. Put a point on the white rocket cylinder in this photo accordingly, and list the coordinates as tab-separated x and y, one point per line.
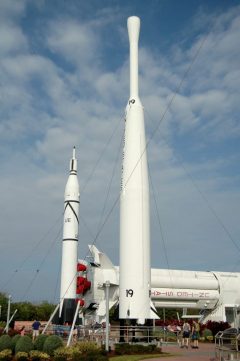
69	244
134	287
133	25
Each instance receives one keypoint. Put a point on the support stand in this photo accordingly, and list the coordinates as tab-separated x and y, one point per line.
73	324
122	326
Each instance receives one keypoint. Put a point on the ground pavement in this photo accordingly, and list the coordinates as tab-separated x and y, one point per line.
205	352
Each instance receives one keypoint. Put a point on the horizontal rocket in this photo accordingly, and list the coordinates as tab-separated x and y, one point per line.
69	245
134	284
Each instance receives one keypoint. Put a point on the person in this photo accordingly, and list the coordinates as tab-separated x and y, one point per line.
195	334
35	326
186	334
22	331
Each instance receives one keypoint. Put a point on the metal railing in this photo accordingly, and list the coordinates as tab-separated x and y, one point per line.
227	345
130	334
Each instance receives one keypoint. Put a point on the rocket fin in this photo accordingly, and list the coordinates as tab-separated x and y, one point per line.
153	312
100	258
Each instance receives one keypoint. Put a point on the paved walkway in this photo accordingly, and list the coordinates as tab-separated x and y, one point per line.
204	353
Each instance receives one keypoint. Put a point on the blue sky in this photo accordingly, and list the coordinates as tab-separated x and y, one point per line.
64	82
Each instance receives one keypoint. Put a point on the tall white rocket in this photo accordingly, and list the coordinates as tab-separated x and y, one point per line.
70	245
134	287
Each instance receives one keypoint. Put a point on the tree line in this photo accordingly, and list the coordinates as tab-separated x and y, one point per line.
26	310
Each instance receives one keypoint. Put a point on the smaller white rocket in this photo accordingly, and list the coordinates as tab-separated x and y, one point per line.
70	245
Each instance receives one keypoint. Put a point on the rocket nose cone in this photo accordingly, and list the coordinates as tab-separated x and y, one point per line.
133	24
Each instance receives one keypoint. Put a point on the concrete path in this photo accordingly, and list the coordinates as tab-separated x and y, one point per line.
204	353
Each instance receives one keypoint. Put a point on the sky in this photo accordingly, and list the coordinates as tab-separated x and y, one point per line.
64	82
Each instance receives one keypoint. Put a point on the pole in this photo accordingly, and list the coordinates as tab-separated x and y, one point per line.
14	313
235	316
164	319
107	285
50	319
73	324
8	313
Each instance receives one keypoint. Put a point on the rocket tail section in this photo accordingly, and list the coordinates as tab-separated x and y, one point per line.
67	311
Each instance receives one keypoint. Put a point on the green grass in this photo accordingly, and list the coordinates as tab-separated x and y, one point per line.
139	357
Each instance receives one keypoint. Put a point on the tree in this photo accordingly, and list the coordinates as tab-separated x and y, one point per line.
28	311
44	310
4	306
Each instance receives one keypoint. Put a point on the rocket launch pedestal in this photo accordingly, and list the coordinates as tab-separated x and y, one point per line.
69	246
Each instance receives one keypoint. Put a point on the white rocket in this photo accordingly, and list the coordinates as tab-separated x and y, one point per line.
134	287
69	245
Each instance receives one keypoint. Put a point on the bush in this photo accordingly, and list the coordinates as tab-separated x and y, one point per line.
82	351
51	344
39	342
5	342
36	355
94	355
22	356
215	326
207	335
24	344
67	353
62	354
85	347
125	348
6	355
14	340
12	332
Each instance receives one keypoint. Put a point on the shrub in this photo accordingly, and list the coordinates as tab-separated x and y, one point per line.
51	344
125	348
82	351
207	335
94	355
21	356
14	340
61	354
75	353
85	347
39	342
5	342
12	332
210	338
67	353
215	326
24	344
36	355
6	355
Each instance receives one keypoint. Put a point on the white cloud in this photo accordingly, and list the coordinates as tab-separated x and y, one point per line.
12	40
73	40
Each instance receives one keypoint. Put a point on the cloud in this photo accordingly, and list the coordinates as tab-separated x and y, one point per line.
71	89
74	41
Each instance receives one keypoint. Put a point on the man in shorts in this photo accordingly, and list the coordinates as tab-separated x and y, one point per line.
186	334
35	326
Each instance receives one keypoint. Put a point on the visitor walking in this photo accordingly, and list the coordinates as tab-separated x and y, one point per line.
195	334
186	334
35	326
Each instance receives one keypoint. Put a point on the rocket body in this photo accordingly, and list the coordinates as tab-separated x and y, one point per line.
69	245
134	287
